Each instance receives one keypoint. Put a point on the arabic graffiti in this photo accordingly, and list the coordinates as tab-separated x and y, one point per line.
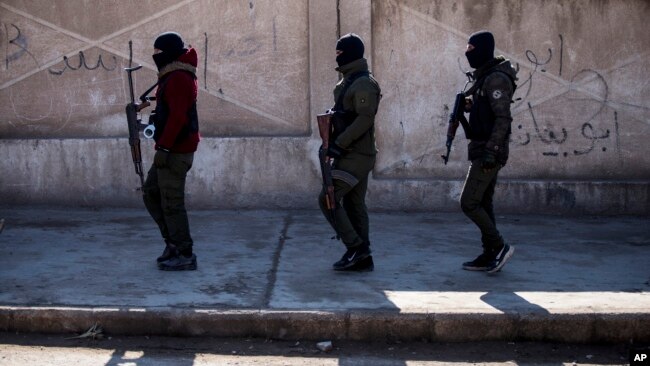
82	63
549	135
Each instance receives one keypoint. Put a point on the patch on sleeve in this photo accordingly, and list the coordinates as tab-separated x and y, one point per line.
362	99
497	94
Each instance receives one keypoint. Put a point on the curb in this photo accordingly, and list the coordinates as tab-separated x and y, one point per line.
359	325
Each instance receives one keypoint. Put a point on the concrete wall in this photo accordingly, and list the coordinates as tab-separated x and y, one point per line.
266	69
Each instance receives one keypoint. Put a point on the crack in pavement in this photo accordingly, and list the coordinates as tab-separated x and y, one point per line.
272	273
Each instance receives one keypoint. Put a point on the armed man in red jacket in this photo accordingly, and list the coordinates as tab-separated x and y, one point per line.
177	137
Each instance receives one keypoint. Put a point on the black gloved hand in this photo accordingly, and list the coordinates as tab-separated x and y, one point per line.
160	158
334	151
489	160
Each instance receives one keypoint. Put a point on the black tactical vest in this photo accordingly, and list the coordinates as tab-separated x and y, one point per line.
481	116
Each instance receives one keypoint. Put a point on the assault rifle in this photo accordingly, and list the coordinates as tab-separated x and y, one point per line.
457	117
135	124
325	131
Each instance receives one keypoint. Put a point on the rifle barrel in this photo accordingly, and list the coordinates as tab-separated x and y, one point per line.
129	70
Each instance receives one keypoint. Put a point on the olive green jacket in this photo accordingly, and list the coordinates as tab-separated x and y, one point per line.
363	98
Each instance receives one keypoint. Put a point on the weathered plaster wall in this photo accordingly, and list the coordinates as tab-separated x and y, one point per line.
583	75
266	69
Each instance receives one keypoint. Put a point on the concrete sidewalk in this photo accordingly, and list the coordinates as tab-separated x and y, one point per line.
268	274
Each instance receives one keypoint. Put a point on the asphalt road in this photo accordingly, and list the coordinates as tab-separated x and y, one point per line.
37	350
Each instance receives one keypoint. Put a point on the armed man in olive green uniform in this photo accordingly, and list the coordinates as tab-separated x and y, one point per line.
489	122
353	150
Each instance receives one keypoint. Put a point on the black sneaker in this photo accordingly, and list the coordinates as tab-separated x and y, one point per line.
364	265
352	257
483	262
179	263
503	256
169	252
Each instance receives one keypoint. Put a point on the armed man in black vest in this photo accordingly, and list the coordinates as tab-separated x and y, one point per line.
353	149
489	121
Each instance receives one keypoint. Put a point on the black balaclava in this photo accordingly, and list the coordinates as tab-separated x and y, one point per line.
483	51
172	46
352	47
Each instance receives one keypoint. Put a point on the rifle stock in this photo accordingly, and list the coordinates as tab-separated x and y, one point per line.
325	131
324	128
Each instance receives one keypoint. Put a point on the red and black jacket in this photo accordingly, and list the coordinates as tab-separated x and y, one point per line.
177	125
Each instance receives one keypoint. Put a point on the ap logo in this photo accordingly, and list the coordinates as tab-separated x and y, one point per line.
639	357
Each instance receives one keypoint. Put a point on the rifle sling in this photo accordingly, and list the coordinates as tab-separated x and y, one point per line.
143	97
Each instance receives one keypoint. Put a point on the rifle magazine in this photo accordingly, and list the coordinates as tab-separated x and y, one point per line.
344	176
